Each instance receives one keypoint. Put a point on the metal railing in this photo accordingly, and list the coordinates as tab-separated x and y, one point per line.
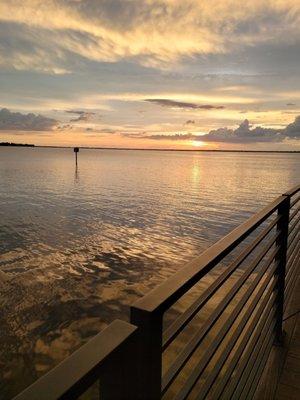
224	353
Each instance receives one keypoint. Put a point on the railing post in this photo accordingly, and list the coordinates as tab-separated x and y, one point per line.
149	352
118	378
283	228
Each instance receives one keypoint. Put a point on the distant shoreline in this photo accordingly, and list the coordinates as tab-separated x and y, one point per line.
8	144
4	144
197	150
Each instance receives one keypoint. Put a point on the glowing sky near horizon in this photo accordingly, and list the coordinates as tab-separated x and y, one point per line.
151	73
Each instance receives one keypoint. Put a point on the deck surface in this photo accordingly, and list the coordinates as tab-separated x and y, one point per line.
281	378
288	385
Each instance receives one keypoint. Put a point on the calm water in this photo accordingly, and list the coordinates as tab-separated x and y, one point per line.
78	246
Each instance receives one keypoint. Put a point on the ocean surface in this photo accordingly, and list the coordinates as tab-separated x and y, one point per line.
79	245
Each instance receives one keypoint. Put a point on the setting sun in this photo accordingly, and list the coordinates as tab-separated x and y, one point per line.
198	143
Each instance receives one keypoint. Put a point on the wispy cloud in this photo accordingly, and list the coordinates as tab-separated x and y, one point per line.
182	104
149	32
82	115
174	137
190	60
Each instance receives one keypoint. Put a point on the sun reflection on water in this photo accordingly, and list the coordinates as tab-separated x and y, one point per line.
76	252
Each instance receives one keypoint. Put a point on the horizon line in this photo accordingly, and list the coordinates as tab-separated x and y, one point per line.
154	149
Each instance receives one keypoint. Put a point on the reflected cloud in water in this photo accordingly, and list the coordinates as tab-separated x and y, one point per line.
77	247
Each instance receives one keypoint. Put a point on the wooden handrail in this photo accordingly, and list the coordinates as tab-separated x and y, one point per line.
292	191
81	369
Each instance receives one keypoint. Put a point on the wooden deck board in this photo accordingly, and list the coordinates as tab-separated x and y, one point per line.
281	378
288	386
285	392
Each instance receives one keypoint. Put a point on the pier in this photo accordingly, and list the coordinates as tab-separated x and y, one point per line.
225	326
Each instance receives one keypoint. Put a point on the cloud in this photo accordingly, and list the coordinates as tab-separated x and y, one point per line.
30	48
82	115
65	127
183	104
175	137
293	129
290	104
47	35
102	130
15	121
190	122
243	134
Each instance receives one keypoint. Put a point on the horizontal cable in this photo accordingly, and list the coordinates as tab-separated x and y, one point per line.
294	202
165	295
256	339
256	327
290	267
233	339
253	363
291	315
179	324
289	295
292	227
290	291
291	257
199	368
294	249
292	244
291	262
293	214
189	349
259	371
289	284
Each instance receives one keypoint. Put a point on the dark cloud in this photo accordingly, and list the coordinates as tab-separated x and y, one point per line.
183	104
243	134
102	130
65	127
79	112
82	115
190	122
290	104
15	121
293	129
108	130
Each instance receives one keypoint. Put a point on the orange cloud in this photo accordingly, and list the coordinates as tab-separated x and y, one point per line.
150	32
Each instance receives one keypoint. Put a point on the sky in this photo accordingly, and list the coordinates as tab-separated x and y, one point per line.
209	74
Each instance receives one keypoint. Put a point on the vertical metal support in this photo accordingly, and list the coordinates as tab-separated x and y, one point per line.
283	228
118	378
149	352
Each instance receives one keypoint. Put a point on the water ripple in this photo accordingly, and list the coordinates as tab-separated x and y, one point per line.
78	246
